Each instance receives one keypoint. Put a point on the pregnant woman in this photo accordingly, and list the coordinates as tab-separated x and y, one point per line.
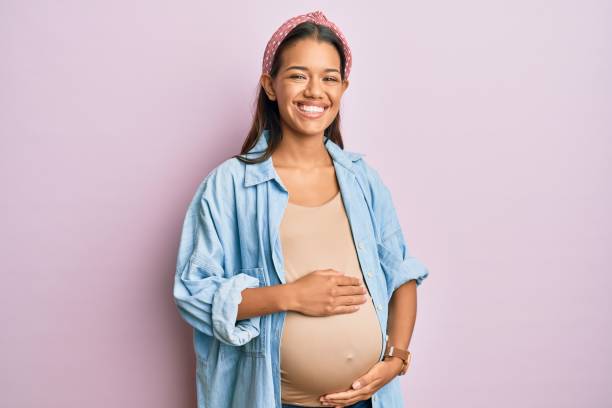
292	267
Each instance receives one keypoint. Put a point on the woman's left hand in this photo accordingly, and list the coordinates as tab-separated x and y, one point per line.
365	386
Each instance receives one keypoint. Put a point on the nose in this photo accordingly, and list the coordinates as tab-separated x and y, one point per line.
313	88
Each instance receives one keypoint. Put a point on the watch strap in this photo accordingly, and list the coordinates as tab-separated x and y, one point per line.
403	354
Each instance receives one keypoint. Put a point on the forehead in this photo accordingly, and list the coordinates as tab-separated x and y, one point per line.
311	53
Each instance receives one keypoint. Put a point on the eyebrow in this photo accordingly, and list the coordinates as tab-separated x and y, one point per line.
306	69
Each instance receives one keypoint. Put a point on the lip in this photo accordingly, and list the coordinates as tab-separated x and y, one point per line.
311	115
319	104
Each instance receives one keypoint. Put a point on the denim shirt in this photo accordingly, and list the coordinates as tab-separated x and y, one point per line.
230	242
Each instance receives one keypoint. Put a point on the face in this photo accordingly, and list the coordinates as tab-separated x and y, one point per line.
308	87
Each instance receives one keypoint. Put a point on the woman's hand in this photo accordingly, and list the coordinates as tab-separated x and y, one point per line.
326	292
365	386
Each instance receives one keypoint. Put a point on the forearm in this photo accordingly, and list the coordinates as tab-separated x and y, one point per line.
264	300
402	315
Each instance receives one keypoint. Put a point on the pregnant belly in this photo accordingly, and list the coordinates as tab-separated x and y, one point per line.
326	354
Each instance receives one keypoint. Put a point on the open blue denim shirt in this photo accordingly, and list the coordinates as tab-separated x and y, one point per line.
230	242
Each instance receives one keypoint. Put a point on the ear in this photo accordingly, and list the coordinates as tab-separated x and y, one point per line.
345	85
266	83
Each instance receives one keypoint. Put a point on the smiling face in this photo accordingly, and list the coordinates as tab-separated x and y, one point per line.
308	87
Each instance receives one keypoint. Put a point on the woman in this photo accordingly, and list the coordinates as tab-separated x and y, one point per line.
292	266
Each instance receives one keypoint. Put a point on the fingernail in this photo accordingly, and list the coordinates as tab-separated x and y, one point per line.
356	385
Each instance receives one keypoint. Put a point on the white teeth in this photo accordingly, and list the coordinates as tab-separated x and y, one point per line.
310	108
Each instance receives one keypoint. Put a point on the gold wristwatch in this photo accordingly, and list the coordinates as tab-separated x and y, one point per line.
404	355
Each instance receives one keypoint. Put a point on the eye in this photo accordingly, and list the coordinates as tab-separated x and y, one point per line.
297	76
332	79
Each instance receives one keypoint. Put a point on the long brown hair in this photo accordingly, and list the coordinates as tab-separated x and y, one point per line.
266	113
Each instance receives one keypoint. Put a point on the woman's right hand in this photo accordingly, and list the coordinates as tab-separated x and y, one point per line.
327	292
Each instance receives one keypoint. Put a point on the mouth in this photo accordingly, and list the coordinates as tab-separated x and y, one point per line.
311	111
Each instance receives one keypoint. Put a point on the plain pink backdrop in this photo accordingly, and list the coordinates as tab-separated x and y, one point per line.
490	121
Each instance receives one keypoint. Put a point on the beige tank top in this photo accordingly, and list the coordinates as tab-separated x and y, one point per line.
321	355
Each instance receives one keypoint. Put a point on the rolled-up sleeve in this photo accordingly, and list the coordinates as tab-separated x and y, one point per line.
398	264
403	267
206	295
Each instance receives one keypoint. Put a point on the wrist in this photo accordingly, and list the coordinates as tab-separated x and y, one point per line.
403	354
397	362
287	299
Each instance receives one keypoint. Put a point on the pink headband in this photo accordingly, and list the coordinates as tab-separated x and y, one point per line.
280	34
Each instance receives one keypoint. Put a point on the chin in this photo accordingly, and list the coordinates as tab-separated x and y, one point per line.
313	129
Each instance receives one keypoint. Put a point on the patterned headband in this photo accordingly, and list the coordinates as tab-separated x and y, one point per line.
280	34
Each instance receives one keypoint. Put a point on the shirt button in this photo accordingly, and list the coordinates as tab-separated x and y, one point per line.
380	306
361	245
370	274
373	397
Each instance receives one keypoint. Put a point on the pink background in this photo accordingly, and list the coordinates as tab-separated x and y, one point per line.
489	120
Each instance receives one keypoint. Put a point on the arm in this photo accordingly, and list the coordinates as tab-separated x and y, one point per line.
397	262
264	300
402	314
205	291
403	272
402	317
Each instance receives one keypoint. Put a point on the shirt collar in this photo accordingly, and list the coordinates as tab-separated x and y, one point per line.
264	171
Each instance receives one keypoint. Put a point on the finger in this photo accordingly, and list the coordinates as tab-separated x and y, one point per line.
359	386
363	391
351	290
341	396
329	272
352	300
346	309
357	396
348	281
345	402
348	403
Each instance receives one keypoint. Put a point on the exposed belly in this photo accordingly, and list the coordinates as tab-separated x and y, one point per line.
320	355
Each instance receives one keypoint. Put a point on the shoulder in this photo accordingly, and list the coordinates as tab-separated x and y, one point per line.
378	195
228	169
354	156
222	181
368	172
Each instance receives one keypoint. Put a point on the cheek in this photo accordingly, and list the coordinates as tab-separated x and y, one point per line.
333	110
285	100
289	92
